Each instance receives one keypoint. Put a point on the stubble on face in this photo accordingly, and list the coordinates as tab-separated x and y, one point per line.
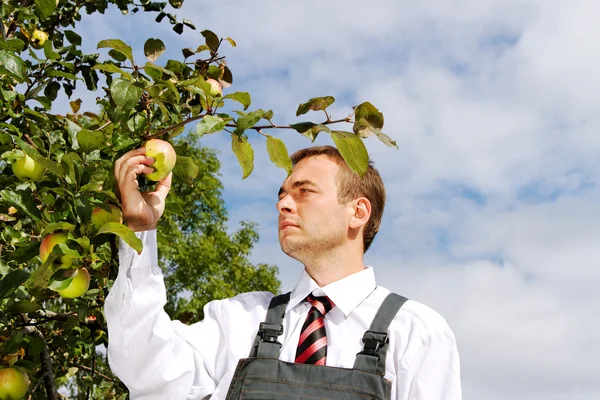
321	220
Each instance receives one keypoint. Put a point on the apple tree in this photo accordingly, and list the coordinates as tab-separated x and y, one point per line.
59	215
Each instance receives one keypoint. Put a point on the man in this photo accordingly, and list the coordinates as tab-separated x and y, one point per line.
328	217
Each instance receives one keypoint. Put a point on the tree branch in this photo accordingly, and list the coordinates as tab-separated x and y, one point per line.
273	126
47	368
85	367
173	127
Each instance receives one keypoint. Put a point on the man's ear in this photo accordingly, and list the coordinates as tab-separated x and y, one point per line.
362	213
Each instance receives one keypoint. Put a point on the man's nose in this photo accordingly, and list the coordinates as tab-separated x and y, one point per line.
285	205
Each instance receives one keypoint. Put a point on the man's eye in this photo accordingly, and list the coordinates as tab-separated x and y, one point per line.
304	190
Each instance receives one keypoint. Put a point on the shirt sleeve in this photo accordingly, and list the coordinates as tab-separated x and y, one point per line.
147	350
437	369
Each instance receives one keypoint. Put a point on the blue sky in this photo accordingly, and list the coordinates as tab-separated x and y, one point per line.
493	196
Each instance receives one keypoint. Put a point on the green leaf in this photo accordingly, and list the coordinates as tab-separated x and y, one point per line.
90	140
186	169
12	281
44	8
57	226
62	74
13	65
125	93
386	139
227	79
244	153
278	154
315	104
367	119
153	48
241	97
210	124
23	253
23	201
51	90
117	56
176	3
111	68
353	150
178	28
124	233
174	207
24	306
117	45
231	42
310	129
248	121
72	164
13	344
61	279
73	37
13	44
187	52
150	69
212	40
188	23
33	153
49	51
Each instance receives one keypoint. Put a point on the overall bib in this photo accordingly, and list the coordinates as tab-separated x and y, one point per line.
263	376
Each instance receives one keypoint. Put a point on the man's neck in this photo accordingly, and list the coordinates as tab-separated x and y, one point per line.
334	266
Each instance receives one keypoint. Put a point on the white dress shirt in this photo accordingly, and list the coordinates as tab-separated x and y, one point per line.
162	359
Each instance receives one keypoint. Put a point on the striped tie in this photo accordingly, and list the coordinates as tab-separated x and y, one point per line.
312	346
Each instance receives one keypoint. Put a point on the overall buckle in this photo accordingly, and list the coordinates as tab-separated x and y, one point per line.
270	332
373	342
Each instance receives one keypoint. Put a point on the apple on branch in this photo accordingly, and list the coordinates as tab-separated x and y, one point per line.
48	244
13	384
164	158
78	286
216	90
100	216
26	168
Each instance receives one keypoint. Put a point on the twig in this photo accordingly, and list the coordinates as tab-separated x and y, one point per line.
37	384
173	127
273	126
29	140
84	367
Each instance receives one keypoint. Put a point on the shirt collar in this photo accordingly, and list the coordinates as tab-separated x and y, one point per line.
346	293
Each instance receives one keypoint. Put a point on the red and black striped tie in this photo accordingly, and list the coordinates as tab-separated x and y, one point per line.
312	346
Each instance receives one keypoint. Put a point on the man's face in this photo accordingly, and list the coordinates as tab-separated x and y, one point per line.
311	220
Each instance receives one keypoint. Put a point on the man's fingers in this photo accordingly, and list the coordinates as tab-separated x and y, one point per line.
134	161
131	153
129	181
164	186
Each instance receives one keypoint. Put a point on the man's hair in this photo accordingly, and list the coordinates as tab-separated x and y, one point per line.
351	186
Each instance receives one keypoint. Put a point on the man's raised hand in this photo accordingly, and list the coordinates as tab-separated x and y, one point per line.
141	211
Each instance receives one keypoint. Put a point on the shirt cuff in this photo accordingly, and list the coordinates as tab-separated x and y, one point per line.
130	259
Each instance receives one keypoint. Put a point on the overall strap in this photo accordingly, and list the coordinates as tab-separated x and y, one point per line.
266	344
372	358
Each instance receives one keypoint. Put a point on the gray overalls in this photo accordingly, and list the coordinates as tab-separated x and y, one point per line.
263	376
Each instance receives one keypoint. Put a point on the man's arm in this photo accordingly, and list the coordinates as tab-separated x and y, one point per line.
144	349
437	369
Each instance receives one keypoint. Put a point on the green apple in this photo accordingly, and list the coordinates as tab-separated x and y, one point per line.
216	89
78	286
164	158
100	216
26	168
48	244
13	384
38	38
